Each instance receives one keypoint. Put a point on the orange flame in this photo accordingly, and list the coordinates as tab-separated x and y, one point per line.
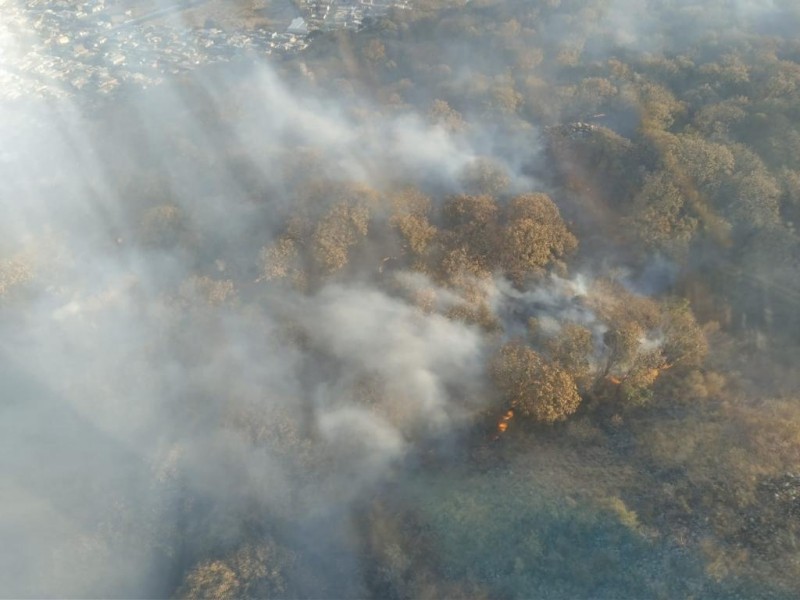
503	424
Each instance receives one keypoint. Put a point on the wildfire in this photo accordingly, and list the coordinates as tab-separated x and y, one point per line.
650	375
503	424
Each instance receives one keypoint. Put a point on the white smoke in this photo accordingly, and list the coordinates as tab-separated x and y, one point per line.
119	379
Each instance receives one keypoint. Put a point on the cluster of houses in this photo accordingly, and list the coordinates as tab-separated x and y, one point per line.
346	14
56	48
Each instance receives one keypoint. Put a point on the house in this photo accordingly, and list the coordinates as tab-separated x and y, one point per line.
298	26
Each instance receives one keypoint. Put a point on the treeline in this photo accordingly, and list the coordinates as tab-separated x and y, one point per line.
693	148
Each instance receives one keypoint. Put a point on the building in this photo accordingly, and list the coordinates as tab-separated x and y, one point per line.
298	26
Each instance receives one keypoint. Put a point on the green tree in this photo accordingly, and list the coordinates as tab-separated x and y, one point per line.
344	226
442	114
484	176
470	235
254	571
660	218
535	235
572	349
532	386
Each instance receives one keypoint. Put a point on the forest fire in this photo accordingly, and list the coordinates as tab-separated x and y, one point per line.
579	217
503	424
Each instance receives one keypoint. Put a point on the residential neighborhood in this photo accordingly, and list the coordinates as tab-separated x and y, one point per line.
56	48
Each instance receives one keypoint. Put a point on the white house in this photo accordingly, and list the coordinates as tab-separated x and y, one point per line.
298	26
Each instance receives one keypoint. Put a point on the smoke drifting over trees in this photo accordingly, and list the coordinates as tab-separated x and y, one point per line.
486	299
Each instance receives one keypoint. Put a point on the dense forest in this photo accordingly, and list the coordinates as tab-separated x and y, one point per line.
488	299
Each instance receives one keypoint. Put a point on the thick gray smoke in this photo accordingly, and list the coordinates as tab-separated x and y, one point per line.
124	372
